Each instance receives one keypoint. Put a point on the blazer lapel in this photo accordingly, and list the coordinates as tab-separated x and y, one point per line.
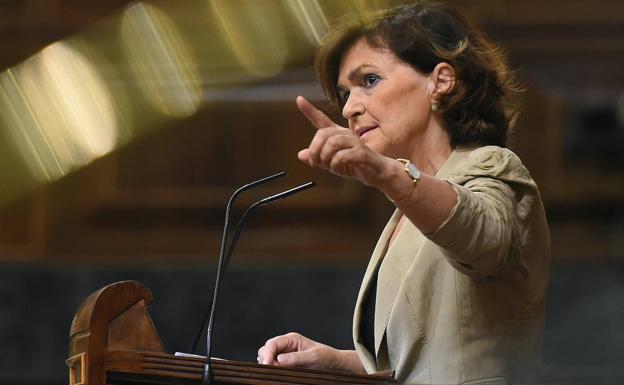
396	263
376	258
399	257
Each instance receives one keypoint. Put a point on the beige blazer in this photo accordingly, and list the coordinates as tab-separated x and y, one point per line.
466	303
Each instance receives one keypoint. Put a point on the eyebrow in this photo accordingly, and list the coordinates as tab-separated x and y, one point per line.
356	73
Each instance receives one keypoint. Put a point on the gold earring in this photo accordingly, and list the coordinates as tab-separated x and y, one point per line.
435	106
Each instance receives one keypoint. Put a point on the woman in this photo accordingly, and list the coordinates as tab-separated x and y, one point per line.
454	291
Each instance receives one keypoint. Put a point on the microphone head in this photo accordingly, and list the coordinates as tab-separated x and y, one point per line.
286	193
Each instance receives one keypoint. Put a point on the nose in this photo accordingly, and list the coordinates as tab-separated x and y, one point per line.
353	107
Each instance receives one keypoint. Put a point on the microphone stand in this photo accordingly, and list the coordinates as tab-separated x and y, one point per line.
224	258
224	238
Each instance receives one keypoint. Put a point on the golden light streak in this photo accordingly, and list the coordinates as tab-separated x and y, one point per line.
311	17
57	111
365	7
254	31
161	60
620	108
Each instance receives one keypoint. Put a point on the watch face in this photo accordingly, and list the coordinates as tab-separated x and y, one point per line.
413	171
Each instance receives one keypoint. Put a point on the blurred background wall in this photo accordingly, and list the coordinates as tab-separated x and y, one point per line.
125	126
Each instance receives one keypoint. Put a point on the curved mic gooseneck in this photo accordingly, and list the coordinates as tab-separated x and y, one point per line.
224	238
224	257
261	202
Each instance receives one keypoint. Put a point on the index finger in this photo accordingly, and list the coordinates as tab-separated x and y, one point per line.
313	114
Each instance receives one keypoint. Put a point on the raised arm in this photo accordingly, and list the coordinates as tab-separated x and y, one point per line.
472	217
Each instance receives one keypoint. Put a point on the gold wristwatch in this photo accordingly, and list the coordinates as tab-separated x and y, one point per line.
411	170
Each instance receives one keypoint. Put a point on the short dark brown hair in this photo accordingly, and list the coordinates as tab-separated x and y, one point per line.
484	104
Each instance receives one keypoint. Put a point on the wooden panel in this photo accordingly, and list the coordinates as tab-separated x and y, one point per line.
23	229
29	25
165	194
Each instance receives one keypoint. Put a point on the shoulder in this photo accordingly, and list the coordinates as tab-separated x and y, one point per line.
490	162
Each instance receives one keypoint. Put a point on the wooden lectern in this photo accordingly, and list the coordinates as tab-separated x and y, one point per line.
115	342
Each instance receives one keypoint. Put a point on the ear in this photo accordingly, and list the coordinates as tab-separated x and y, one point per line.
443	78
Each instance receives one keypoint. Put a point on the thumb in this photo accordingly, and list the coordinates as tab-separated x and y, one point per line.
311	358
304	155
290	359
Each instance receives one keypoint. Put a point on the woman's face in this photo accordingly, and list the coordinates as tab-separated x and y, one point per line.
386	101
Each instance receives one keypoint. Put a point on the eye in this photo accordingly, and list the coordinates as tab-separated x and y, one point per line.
370	80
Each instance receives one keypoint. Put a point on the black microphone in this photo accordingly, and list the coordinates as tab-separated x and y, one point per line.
225	258
224	237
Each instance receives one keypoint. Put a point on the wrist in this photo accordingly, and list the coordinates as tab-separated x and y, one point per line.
349	361
400	181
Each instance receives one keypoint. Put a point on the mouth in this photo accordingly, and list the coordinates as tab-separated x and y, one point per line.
360	131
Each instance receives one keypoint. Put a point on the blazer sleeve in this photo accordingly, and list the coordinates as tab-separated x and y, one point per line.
495	199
